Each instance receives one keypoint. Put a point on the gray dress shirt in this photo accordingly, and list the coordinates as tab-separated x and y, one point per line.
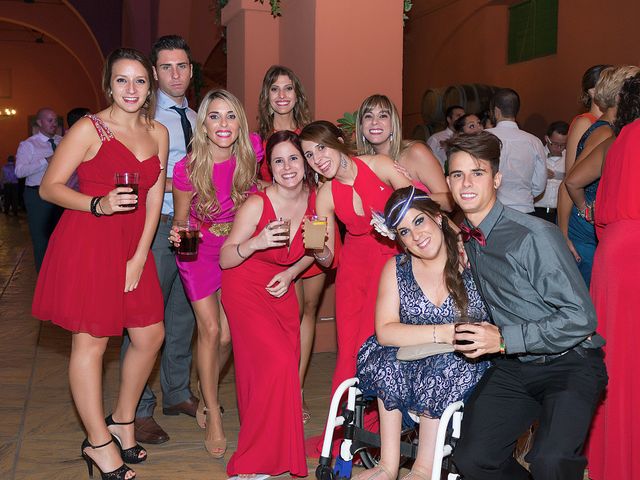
532	285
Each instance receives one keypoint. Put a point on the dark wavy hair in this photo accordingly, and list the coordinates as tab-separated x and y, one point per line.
396	208
628	104
283	136
301	113
589	80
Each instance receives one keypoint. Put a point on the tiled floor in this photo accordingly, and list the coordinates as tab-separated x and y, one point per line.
40	433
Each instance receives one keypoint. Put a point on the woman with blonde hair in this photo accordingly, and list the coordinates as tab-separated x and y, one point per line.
379	131
209	185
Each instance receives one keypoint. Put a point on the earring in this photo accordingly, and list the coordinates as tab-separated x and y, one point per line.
343	161
364	140
316	177
391	136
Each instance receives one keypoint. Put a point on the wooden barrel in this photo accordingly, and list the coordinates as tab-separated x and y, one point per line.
473	97
433	105
422	132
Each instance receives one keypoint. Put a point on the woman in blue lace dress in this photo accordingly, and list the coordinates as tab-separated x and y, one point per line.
421	294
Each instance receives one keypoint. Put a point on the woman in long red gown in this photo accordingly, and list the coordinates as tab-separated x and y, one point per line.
260	260
615	434
98	275
356	186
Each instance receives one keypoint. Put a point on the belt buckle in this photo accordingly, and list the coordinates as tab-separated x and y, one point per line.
221	229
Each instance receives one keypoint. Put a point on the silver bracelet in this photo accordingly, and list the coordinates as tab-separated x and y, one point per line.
322	259
238	251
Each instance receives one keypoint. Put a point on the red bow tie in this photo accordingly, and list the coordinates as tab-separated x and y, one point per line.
469	233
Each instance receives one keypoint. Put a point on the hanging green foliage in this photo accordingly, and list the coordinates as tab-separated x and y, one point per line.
277	12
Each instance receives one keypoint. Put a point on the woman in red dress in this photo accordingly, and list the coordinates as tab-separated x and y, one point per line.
356	187
615	434
98	275
283	105
260	259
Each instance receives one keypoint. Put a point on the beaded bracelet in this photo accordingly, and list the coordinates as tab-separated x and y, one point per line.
93	206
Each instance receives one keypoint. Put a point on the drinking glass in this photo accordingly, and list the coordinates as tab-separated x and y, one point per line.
189	231
315	232
129	180
284	223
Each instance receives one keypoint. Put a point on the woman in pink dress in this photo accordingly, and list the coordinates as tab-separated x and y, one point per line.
98	275
356	187
379	131
260	259
615	433
209	185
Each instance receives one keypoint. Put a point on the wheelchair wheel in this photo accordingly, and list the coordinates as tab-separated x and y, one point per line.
369	454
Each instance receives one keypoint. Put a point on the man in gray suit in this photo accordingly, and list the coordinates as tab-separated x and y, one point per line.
171	60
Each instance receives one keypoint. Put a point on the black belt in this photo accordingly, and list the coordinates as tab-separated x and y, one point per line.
546	209
542	359
35	187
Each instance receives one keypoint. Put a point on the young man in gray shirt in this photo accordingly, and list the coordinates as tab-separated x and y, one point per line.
548	362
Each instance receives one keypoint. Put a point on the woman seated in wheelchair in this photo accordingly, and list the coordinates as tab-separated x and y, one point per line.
422	293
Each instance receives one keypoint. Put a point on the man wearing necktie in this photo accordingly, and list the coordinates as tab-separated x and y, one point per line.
32	160
171	60
547	359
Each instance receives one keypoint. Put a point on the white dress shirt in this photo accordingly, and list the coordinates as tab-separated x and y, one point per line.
522	164
31	158
435	143
177	149
556	165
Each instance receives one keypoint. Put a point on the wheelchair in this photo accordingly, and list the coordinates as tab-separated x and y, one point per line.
359	441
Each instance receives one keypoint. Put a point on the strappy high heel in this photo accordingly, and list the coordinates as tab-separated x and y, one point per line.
201	412
119	473
216	448
129	455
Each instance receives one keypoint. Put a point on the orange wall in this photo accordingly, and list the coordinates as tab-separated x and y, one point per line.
466	42
42	75
334	46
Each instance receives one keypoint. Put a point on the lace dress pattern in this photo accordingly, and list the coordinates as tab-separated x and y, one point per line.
427	386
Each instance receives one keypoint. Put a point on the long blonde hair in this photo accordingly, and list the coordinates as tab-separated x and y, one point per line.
200	161
384	103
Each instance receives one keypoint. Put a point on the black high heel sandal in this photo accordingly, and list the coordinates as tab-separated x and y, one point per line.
117	474
130	455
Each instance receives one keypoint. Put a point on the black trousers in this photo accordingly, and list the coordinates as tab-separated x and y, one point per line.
11	198
42	217
561	394
548	214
